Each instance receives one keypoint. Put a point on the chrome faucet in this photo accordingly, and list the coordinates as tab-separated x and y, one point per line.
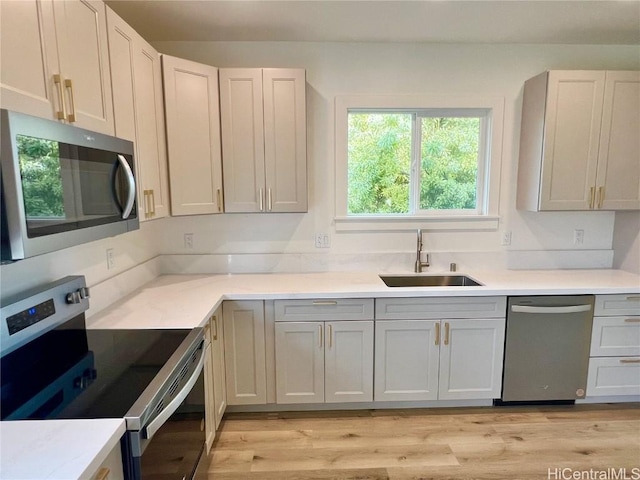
419	263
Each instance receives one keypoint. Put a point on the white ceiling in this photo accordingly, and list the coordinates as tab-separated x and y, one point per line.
434	21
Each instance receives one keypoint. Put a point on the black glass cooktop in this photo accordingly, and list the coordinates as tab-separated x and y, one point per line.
71	372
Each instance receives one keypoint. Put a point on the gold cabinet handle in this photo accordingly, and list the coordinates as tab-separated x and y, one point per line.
632	320
153	203
600	197
630	360
261	199
103	474
437	333
214	320
446	333
320	330
269	203
147	208
219	198
330	336
69	86
634	298
592	198
325	302
58	81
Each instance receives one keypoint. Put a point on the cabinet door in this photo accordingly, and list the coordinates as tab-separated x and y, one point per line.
471	355
571	137
406	360
81	27
299	362
285	139
241	113
29	60
219	381
618	178
193	136
150	129
348	363
209	388
244	347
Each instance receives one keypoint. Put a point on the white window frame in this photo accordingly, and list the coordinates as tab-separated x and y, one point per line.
486	215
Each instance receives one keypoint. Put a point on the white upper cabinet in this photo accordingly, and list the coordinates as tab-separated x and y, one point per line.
578	141
193	136
55	61
139	112
263	117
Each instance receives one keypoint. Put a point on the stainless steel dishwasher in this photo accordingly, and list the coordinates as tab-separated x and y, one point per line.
547	348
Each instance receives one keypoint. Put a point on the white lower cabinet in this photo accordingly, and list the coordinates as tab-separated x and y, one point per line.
455	359
111	467
244	349
614	363
214	377
320	362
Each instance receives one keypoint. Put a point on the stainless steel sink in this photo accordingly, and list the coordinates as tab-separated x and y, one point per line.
429	281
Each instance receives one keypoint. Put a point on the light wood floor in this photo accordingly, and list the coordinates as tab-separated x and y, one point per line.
469	443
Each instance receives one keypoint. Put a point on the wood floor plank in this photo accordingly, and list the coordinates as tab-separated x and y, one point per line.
264	438
341	474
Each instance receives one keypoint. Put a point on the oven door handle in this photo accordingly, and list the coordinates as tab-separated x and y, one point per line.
173	405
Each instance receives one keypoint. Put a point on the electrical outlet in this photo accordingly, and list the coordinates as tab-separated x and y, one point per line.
578	237
506	238
188	241
111	259
323	240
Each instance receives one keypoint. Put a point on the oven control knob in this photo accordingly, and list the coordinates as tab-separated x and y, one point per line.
73	297
77	296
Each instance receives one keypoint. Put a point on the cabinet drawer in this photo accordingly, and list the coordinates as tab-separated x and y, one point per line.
613	376
324	310
615	336
609	305
441	307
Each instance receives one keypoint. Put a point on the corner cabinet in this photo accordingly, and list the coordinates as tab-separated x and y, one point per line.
578	141
55	62
439	348
139	112
193	136
263	120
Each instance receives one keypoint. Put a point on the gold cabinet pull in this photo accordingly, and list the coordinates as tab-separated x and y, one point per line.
269	203
320	330
214	320
103	474
437	342
325	302
634	298
446	333
632	320
219	198
153	203
261	199
592	198
330	336
630	360
600	197
69	86
58	81
147	209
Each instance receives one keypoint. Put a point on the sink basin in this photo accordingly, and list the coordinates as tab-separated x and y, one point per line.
429	281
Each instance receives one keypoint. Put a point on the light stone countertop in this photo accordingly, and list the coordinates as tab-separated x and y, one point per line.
56	449
187	301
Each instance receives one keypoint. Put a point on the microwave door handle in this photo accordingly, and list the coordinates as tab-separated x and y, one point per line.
131	187
157	422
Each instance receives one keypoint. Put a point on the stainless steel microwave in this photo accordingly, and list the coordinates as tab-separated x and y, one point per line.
61	186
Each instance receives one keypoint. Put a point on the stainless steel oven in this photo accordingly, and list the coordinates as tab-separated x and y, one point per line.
53	367
62	186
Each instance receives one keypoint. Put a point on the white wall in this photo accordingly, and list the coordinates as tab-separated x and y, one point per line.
359	68
626	241
130	250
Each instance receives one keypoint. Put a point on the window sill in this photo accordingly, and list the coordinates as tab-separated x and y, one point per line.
442	223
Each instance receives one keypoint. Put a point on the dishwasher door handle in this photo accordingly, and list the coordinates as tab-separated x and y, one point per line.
551	310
